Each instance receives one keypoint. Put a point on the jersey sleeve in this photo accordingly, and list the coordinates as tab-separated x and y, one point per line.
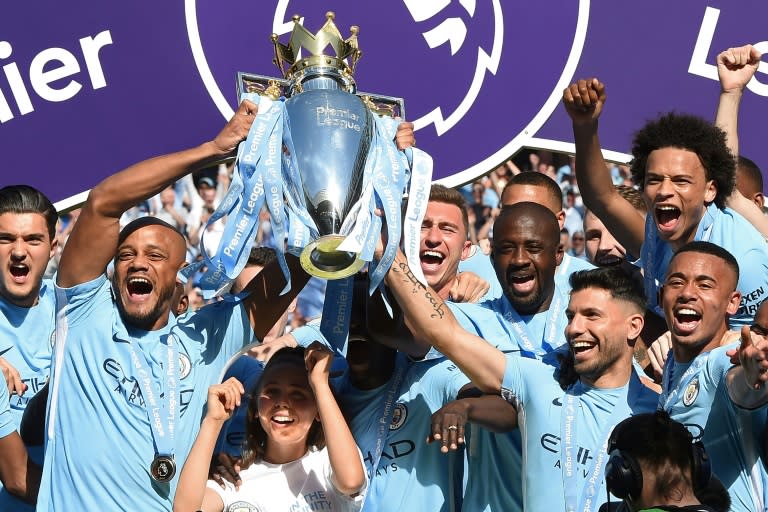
520	377
224	326
7	425
753	285
80	301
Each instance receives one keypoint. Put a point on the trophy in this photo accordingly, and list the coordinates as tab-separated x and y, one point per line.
331	126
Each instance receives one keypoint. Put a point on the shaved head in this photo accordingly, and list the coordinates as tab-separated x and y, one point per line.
534	213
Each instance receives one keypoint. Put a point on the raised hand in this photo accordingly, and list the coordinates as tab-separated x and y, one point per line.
468	287
658	352
736	67
753	356
404	137
318	359
236	129
584	100
265	350
223	399
12	378
225	467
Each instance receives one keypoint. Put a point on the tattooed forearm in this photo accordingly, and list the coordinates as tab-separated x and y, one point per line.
437	305
402	268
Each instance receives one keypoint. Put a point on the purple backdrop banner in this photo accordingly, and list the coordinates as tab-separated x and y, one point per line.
88	88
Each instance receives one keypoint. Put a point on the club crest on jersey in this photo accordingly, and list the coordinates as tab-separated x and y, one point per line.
242	506
691	392
398	416
185	366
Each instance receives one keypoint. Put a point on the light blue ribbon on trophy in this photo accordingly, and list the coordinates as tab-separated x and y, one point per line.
257	177
273	189
418	197
389	180
301	226
337	311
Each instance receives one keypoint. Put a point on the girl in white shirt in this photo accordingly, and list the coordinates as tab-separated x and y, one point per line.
300	454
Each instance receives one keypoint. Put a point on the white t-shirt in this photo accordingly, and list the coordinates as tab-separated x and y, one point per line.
302	485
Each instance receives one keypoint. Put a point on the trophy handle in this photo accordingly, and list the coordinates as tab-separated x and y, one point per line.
275	87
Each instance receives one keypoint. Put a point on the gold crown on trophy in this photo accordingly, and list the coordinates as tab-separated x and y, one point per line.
347	51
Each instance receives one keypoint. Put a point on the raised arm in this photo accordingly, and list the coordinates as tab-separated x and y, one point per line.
347	469
264	303
93	241
428	315
584	102
192	493
735	68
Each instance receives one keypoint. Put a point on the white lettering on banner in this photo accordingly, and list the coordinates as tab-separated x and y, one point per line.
699	66
43	73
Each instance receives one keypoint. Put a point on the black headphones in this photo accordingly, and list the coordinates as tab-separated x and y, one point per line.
623	476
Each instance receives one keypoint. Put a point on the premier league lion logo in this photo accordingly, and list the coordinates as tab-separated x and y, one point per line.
479	77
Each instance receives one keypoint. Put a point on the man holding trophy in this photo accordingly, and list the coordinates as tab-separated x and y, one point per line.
130	380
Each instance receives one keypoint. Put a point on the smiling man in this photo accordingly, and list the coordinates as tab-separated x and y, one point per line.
686	172
599	386
526	252
130	378
718	403
444	241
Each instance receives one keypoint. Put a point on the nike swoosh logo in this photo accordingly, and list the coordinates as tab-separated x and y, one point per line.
6	350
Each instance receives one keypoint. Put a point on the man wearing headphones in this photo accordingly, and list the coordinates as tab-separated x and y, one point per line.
655	465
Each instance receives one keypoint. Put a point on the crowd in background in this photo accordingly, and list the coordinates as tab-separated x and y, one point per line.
189	203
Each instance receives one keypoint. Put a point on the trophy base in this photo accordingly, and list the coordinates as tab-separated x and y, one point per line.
321	259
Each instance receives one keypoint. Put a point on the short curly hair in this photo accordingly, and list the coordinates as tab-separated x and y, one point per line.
693	134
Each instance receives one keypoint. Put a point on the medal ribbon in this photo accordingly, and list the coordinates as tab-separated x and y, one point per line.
592	485
553	327
382	427
161	410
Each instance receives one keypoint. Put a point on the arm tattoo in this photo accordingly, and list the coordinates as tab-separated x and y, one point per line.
437	305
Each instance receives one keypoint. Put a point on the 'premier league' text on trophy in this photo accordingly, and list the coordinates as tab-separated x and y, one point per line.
321	157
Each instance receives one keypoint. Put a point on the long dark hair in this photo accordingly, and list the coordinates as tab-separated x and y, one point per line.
255	436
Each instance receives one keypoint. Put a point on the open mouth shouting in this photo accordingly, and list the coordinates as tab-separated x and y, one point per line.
139	288
521	284
667	218
431	260
19	272
686	320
